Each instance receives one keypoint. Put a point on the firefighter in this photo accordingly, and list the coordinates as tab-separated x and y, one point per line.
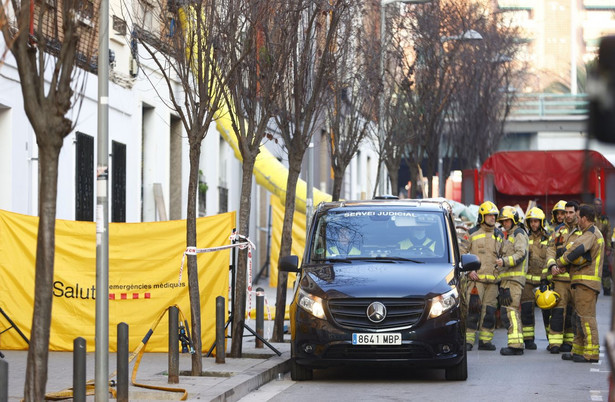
584	262
560	329
558	214
487	242
538	241
514	268
603	224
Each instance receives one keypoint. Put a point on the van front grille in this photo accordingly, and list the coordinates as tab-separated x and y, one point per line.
352	313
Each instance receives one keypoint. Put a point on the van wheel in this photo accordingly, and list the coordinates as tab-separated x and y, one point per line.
298	372
458	372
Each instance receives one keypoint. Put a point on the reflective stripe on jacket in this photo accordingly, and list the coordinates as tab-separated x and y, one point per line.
486	242
515	257
584	259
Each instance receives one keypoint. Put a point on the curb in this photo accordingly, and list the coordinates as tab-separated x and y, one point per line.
252	379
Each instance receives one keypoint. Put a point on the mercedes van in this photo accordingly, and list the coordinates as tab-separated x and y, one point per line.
379	284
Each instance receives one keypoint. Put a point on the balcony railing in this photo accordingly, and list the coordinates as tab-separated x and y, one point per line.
543	105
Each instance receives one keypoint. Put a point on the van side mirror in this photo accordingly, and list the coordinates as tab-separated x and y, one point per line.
289	263
469	262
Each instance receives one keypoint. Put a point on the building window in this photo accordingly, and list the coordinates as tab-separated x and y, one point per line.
222	200
84	178
118	182
85	12
119	25
145	16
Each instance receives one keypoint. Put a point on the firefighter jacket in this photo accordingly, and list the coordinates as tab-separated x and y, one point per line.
562	238
603	224
515	257
537	258
488	243
584	259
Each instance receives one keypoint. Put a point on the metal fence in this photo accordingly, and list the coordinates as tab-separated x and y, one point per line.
544	104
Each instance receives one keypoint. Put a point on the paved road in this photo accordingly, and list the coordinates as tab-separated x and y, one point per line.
536	376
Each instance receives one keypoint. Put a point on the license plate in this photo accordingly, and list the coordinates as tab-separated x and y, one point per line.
376	339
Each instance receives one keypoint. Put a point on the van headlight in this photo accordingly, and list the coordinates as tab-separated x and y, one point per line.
310	303
443	303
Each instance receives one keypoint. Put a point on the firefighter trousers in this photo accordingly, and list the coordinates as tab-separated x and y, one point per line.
511	316
586	340
488	293
560	324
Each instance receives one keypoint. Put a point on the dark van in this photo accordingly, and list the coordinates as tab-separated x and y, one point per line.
379	284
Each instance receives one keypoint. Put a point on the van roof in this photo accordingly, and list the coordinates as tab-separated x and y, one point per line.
428	204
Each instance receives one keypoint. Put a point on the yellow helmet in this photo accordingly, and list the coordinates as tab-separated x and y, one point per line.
486	208
536	213
559	206
509	212
546	300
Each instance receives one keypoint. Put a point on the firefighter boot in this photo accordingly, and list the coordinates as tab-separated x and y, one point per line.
530	344
485	345
565	348
511	351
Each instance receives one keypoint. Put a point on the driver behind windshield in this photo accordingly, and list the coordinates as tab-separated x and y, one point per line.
418	238
345	244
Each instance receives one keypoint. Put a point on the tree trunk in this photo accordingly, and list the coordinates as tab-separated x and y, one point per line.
285	247
393	177
193	269
239	298
338	179
38	352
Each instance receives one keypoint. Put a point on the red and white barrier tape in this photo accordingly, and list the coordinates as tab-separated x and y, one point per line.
244	242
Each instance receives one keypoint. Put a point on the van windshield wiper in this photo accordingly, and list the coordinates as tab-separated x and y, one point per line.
345	260
392	258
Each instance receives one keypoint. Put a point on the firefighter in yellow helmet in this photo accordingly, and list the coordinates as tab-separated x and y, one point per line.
513	280
538	242
584	262
558	213
487	242
561	333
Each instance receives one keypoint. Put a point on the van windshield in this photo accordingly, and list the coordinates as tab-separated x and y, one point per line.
380	234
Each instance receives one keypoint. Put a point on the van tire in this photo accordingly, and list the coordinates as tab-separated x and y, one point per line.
298	372
458	372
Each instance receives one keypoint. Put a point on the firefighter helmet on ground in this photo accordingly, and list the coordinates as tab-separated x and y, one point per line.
536	213
487	208
546	300
509	212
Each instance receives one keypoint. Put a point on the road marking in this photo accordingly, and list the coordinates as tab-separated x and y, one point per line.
595	395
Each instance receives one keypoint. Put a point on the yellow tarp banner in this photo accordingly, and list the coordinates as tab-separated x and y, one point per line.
277	222
144	266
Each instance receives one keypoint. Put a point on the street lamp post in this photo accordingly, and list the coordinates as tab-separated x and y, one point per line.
381	135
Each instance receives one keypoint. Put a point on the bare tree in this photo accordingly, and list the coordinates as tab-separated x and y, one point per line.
484	73
353	89
48	41
453	82
270	30
301	110
424	83
188	54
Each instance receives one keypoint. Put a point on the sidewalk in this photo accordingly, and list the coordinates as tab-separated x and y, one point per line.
221	382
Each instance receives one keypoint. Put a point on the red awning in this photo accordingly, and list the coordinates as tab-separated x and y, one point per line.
544	172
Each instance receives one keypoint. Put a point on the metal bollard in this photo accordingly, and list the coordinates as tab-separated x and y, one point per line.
260	317
79	369
122	362
173	345
220	338
4	380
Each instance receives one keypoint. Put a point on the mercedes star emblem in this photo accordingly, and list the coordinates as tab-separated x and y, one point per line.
376	312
